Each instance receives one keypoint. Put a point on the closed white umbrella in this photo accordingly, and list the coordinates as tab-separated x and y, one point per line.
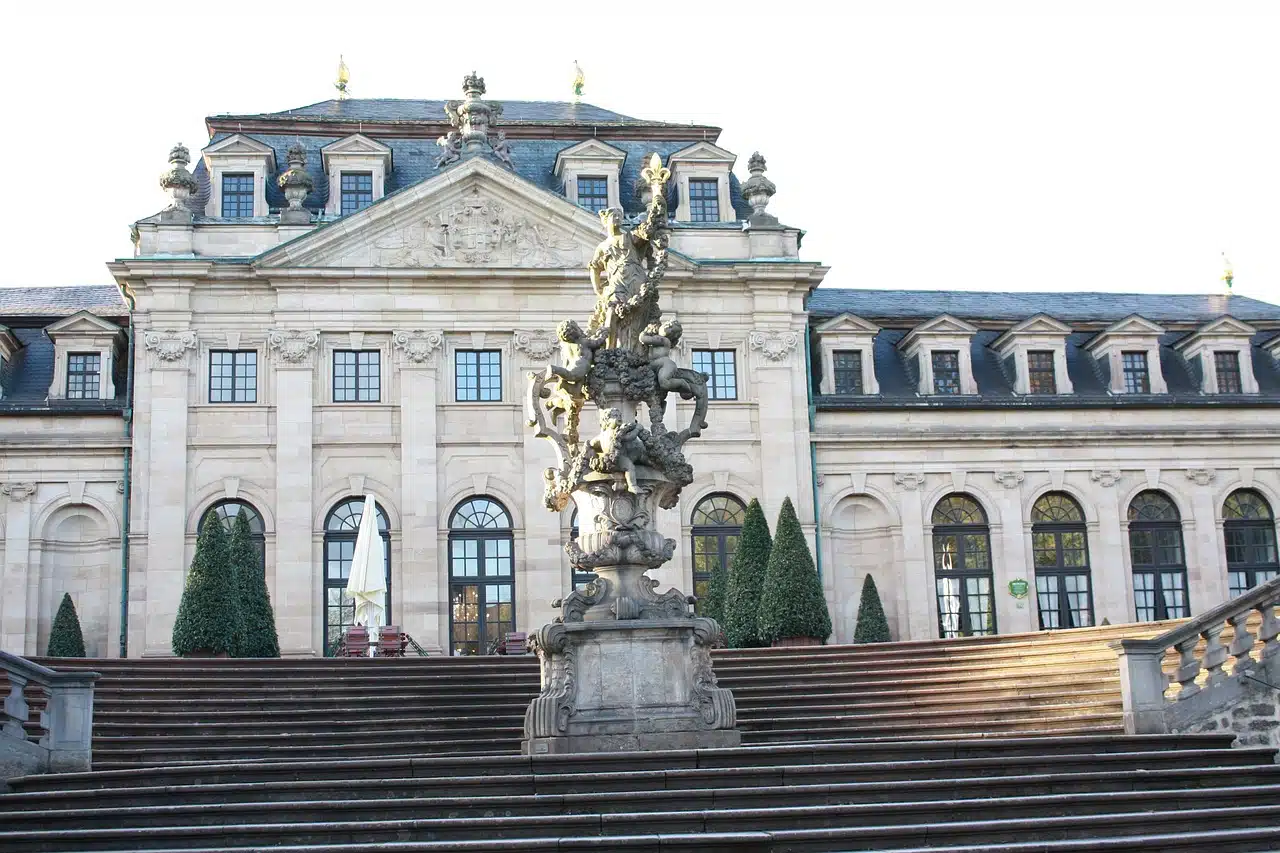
367	582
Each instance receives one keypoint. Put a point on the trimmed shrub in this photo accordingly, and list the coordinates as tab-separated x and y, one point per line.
746	580
872	627
209	614
711	605
65	639
792	603
259	639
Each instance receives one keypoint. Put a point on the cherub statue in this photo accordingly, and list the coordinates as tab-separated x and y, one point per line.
502	149
619	447
564	382
661	339
450	148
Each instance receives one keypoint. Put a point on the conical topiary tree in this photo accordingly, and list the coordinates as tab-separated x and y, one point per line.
791	602
872	627
711	605
746	580
208	620
65	639
259	639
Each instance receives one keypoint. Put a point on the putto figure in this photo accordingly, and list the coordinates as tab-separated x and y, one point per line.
564	391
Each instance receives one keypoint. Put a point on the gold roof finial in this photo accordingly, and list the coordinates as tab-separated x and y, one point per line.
344	77
579	81
1228	274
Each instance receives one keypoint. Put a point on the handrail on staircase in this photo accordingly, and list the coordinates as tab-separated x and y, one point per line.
1142	679
67	742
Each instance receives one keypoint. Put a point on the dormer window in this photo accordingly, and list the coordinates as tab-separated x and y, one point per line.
84	351
1227	366
237	195
941	351
1128	353
9	345
357	167
848	367
704	200
1136	378
1040	372
1036	350
593	192
701	175
848	371
84	371
357	191
946	371
1222	350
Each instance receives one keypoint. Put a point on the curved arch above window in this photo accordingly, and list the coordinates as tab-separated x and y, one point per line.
1246	505
1153	506
719	510
958	509
480	513
226	512
345	517
1056	508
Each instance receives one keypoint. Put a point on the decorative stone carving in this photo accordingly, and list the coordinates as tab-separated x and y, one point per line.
18	491
169	345
757	190
775	346
293	346
909	480
1009	479
1201	476
538	345
476	231
297	181
177	181
417	345
120	486
1105	477
472	119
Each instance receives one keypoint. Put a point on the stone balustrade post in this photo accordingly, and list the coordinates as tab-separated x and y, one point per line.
68	722
15	708
1142	685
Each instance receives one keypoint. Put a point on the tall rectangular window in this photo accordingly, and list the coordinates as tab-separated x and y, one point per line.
704	200
478	375
233	376
1136	378
721	370
593	193
848	371
1040	374
82	375
357	191
1227	366
356	376
237	196
946	372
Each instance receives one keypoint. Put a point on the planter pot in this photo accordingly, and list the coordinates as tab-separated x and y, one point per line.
205	653
796	641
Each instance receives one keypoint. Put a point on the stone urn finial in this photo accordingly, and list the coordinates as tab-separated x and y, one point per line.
177	181
473	86
473	120
297	181
757	190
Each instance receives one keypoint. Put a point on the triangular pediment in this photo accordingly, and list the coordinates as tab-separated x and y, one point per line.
239	144
356	145
590	149
1225	326
1133	325
1039	325
81	323
475	214
703	152
944	324
848	324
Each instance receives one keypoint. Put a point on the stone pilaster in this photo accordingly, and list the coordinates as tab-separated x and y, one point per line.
17	568
918	593
775	362
1012	615
295	598
1112	587
1206	557
541	579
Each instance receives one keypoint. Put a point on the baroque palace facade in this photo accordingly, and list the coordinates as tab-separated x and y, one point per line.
347	298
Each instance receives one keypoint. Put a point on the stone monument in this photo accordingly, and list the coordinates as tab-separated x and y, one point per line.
623	667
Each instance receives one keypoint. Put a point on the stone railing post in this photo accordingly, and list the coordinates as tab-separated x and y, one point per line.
68	722
15	711
1142	685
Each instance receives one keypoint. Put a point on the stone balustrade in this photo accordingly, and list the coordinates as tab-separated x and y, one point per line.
1148	709
66	744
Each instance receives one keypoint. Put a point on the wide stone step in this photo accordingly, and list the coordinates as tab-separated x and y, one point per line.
882	825
358	727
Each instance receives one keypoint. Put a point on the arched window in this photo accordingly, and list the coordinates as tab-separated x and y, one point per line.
962	568
481	576
1249	528
1159	561
580	578
226	511
717	526
1059	545
340	530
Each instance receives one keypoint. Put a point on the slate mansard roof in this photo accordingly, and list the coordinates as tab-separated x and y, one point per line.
896	312
537	132
26	311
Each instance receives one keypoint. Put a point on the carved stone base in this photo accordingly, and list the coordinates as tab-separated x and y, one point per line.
640	684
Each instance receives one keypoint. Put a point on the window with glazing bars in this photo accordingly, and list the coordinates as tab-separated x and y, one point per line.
1136	379
356	376
233	376
946	372
82	375
357	191
721	370
593	193
704	200
478	375
1040	375
848	371
237	196
1227	366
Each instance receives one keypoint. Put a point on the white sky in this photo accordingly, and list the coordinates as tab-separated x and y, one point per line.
1017	146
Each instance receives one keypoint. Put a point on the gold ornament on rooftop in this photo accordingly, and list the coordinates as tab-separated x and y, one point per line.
344	77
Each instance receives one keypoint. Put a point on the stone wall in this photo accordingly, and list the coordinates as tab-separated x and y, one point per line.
1248	706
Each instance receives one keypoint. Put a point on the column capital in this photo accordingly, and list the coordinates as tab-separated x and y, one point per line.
293	348
416	347
169	348
19	491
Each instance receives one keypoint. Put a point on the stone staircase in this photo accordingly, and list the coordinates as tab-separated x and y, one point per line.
1009	743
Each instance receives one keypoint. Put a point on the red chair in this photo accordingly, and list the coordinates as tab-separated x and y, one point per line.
391	642
356	643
